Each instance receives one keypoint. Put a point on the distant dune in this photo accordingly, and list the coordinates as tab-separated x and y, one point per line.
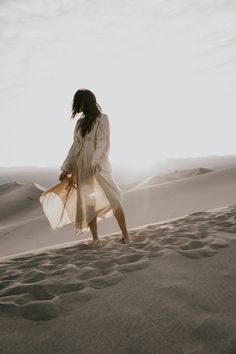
174	176
8	187
170	177
123	174
19	200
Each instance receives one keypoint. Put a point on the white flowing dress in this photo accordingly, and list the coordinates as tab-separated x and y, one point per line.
85	193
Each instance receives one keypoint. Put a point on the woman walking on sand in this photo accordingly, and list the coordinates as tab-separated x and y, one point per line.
87	191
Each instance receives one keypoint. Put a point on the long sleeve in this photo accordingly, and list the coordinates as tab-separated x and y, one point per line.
67	164
102	141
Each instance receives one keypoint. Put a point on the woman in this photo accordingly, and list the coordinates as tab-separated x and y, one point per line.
87	191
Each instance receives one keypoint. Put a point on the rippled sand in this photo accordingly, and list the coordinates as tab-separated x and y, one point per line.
35	286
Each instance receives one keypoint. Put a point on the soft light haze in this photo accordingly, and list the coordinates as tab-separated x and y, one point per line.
163	71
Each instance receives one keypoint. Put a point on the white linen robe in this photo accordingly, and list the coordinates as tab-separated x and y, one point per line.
84	193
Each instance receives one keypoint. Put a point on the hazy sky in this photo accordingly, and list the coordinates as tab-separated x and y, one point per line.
163	70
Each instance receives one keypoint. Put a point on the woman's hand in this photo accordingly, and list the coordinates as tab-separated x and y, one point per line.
63	175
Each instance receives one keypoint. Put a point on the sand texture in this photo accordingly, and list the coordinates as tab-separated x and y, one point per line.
171	290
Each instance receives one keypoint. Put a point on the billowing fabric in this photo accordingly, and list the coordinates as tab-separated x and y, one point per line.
85	193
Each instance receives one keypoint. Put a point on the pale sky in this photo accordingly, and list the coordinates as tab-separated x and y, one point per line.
163	71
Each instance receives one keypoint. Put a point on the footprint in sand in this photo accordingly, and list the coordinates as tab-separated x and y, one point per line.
36	286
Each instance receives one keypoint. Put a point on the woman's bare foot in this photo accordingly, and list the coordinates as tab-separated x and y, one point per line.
120	217
125	238
94	241
93	228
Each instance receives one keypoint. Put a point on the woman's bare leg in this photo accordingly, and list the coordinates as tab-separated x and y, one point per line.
93	228
120	217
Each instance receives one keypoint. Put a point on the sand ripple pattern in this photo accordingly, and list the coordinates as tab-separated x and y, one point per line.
35	286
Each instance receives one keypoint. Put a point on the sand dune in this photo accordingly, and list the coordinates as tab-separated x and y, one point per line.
19	200
9	187
170	177
173	199
175	279
124	174
32	285
45	176
146	288
24	227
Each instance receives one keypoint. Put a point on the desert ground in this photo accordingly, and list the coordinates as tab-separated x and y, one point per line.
171	289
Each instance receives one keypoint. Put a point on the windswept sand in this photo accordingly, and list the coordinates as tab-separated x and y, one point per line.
170	290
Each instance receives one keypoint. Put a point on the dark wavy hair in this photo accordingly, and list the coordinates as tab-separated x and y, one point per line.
91	109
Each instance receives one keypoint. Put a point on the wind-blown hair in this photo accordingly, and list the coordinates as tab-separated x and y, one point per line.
91	109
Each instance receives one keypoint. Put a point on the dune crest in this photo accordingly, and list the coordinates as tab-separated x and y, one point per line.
164	178
8	187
